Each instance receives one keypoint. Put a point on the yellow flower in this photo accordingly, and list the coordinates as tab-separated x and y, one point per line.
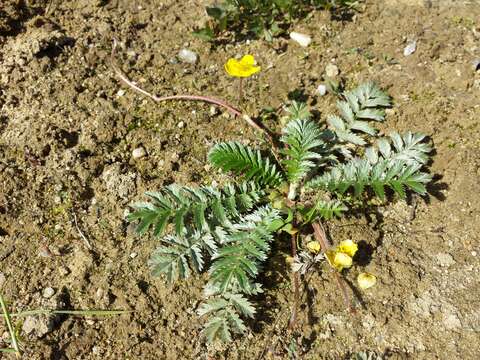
366	280
243	68
347	247
342	256
314	246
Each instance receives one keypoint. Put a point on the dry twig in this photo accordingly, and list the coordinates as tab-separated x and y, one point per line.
84	238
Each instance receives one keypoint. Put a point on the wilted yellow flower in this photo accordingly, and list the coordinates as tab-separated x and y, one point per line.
313	246
342	256
366	280
347	247
243	68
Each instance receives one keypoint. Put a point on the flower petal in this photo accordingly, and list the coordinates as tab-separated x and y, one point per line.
366	280
342	261
243	68
347	247
247	60
313	246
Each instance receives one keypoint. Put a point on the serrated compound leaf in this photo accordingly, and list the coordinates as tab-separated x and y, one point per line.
217	329
336	123
372	114
364	127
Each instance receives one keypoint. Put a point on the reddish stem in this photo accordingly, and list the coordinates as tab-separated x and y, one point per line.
321	237
296	286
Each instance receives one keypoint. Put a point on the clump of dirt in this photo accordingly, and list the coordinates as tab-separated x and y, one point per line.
68	129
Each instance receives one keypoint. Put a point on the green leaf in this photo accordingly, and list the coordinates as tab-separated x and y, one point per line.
361	173
215	12
205	34
246	162
304	144
241	304
217	329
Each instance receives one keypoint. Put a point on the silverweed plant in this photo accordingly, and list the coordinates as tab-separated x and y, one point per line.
262	18
311	173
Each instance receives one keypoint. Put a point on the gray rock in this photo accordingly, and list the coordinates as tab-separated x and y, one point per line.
38	326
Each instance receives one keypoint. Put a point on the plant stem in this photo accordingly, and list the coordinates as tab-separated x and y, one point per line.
292	191
233	110
208	99
67	312
240	91
11	330
296	285
321	237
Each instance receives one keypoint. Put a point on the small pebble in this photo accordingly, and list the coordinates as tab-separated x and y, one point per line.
474	253
48	292
476	65
302	39
121	92
410	48
445	260
139	152
390	111
181	124
133	255
331	70
175	157
321	90
44	252
188	56
99	293
213	110
63	270
2	279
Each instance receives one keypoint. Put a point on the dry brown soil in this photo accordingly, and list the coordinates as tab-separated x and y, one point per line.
68	128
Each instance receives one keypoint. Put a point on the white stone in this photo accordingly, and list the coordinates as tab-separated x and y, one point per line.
445	260
331	70
321	90
48	292
188	56
2	279
99	293
181	124
139	152
410	48
302	39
